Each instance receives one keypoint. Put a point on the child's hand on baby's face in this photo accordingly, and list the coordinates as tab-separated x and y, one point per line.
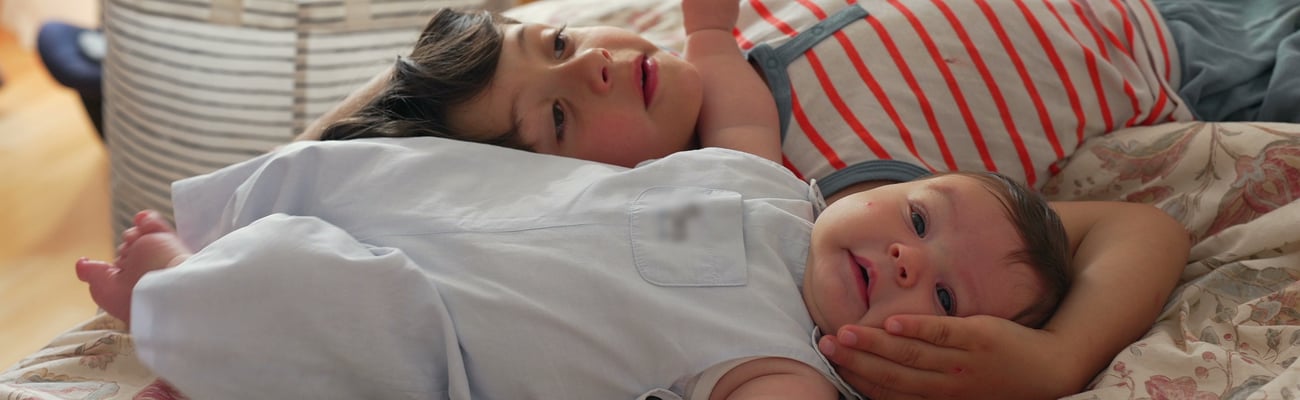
709	14
935	356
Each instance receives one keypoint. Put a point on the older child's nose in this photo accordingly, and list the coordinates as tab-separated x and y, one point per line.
595	65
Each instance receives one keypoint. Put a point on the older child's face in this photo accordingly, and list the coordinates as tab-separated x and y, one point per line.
933	246
601	94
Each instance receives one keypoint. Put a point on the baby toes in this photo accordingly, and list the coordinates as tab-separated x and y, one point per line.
150	221
93	271
106	289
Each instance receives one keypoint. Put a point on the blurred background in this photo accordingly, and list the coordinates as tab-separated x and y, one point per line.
54	201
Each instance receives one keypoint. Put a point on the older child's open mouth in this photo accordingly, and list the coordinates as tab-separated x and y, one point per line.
649	79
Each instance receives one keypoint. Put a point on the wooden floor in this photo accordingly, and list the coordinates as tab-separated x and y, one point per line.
54	204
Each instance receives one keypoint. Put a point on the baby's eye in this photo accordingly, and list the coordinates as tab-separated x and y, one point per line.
561	43
557	116
945	299
918	223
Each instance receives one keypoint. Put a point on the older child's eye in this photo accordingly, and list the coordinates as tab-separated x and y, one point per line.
561	43
946	300
918	223
557	116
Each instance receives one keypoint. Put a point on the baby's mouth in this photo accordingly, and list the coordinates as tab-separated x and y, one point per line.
865	273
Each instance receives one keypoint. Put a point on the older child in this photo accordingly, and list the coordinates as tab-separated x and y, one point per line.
600	94
544	60
688	268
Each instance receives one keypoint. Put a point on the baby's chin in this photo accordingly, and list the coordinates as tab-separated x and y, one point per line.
821	321
826	329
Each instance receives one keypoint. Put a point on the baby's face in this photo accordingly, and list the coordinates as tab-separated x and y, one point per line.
934	246
600	93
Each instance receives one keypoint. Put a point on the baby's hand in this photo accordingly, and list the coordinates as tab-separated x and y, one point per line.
150	245
700	15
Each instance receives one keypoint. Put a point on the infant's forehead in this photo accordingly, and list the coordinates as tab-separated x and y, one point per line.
1019	294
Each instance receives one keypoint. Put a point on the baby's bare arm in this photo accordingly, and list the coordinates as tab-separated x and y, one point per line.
773	378
738	111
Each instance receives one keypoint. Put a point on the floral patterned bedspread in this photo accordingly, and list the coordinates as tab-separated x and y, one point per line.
94	360
1232	328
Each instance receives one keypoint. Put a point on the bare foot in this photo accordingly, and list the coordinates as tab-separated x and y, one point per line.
151	244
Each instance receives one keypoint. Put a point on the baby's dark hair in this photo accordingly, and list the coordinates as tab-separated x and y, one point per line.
1047	246
453	61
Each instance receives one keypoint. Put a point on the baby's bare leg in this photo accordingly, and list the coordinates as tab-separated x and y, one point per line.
151	244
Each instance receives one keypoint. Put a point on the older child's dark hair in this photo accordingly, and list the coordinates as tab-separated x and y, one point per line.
1047	246
453	61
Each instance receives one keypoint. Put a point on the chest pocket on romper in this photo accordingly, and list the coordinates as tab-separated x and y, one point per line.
689	236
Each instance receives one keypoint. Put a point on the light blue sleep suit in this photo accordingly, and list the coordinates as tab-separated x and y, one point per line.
429	268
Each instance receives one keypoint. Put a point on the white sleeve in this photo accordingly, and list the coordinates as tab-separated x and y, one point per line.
208	206
293	307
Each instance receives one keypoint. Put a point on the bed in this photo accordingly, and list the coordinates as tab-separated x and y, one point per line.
1230	330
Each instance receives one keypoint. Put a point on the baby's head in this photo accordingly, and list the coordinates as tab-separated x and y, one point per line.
951	244
599	93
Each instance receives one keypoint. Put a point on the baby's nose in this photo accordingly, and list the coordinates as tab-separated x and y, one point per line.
906	264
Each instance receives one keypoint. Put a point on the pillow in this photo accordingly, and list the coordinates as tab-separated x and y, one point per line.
194	86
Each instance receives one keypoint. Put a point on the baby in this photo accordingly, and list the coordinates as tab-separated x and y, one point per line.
704	291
